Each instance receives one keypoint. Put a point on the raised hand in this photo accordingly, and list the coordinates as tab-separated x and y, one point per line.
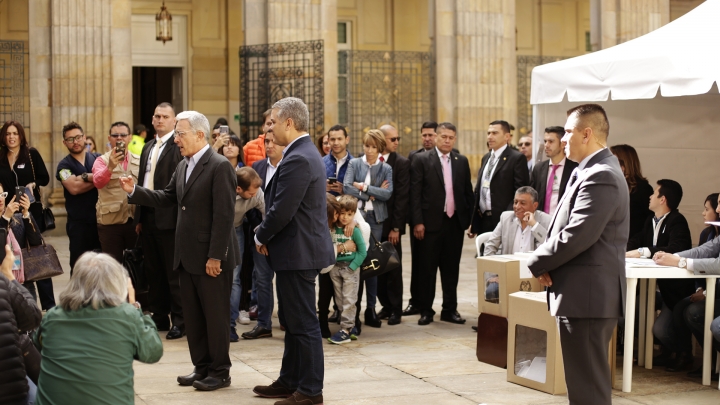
127	184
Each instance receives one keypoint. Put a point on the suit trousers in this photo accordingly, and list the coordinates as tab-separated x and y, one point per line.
114	239
83	238
303	367
326	292
584	343
390	286
439	249
206	308
163	282
263	284
414	266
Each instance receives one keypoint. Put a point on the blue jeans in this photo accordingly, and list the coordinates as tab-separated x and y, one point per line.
263	287
236	290
371	283
303	367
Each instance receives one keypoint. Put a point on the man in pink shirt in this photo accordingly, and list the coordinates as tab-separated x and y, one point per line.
114	214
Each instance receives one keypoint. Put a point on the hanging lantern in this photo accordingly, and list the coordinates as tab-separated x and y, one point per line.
163	25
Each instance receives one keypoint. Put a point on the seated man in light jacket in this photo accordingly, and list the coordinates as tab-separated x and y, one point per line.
519	230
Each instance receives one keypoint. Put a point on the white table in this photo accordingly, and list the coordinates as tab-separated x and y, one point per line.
647	317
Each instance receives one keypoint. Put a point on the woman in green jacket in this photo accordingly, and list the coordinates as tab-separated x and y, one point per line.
89	341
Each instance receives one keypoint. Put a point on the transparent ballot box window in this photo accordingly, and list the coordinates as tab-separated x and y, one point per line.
530	353
492	287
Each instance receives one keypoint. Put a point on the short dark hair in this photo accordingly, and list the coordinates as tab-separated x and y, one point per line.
266	114
557	130
592	115
447	125
503	124
165	104
347	202
139	128
528	190
713	199
332	209
119	124
429	124
247	177
70	126
221	121
338	127
672	191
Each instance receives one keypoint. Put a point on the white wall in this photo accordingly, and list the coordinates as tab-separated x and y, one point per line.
675	137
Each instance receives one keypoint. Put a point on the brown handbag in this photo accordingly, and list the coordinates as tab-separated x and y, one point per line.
40	262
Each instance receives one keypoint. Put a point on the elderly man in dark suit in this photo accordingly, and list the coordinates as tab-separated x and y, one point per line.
390	285
503	171
160	156
440	201
296	240
582	262
549	178
203	187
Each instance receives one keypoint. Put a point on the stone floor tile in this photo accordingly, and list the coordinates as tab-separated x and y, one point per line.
439	399
445	368
377	389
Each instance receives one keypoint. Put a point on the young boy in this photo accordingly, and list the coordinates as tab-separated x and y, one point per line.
249	196
345	274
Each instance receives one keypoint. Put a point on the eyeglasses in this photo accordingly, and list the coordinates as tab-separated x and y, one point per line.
116	136
525	144
397	138
3	195
74	139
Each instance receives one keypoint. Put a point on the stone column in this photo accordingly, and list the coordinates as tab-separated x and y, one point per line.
476	69
256	22
80	70
623	20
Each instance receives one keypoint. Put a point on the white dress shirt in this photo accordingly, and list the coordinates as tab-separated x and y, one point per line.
290	144
368	203
645	252
523	237
487	202
192	161
442	156
340	163
270	172
148	166
555	196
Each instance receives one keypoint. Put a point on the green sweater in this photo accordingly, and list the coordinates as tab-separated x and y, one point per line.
355	258
87	354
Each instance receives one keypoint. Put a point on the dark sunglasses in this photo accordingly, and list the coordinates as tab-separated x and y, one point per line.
524	144
397	138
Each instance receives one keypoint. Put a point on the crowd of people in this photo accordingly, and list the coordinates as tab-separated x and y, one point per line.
218	219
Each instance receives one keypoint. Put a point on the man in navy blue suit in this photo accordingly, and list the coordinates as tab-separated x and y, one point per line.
296	240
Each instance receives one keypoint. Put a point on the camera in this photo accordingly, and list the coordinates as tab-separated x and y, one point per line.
120	147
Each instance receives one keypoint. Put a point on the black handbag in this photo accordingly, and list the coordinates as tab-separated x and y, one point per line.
43	216
381	258
133	262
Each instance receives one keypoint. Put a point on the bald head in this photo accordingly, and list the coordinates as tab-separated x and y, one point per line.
392	140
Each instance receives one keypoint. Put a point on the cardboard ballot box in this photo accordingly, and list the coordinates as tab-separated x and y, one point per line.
534	358
508	271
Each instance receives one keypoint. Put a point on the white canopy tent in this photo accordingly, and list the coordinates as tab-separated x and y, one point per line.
660	92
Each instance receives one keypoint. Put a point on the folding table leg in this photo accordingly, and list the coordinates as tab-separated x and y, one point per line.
629	335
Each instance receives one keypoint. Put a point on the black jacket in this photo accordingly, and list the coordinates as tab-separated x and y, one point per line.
539	180
17	311
168	159
397	205
674	235
639	211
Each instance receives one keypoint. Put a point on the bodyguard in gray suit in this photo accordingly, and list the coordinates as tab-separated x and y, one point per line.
582	262
206	248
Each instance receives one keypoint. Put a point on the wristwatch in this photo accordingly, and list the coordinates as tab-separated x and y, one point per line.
682	263
396	229
640	250
84	176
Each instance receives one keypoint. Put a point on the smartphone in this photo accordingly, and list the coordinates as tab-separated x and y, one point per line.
29	194
19	192
332	180
120	147
224	131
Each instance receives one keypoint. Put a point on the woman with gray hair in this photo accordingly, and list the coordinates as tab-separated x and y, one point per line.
89	341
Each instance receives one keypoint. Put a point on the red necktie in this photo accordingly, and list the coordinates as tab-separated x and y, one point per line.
382	159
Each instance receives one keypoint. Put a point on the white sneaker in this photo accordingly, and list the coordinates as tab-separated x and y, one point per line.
244	318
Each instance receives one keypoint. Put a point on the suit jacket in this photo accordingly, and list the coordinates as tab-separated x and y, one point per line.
674	235
416	151
705	258
427	190
510	174
539	179
207	209
295	228
585	249
502	239
260	166
167	162
254	216
397	205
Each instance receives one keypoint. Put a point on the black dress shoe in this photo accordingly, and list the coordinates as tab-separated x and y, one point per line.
383	314
682	361
257	332
335	317
188	380
453	317
371	318
474	328
175	333
394	319
410	310
211	383
425	319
